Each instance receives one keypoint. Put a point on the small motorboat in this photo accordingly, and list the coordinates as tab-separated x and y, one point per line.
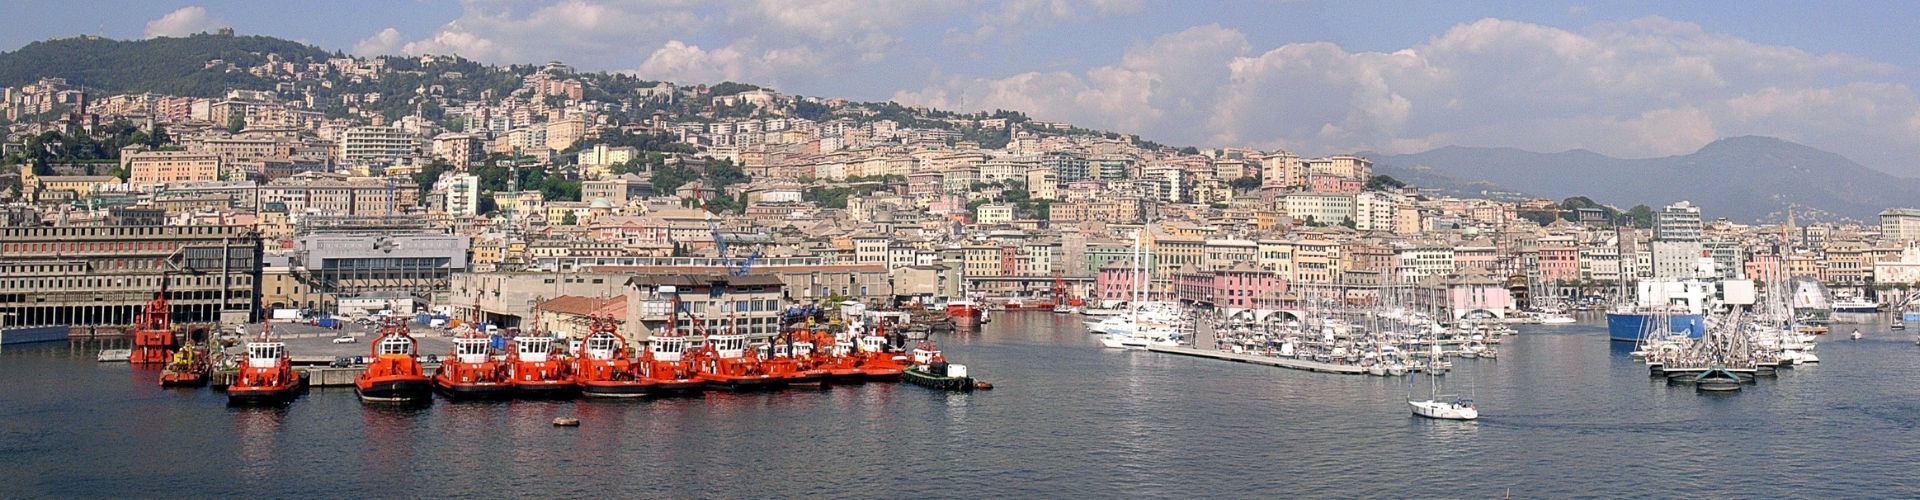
1898	325
566	422
1857	335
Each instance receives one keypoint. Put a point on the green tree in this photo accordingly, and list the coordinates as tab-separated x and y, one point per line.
1641	216
569	219
236	122
1383	183
1348	222
1245	184
430	174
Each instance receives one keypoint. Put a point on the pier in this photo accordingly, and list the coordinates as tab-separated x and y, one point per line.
317	376
1297	364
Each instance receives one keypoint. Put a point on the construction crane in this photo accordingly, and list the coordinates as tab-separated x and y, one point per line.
720	247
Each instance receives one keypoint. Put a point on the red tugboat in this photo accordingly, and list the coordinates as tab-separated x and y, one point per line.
153	339
471	371
266	375
790	361
534	371
604	368
394	375
841	358
877	359
725	363
666	362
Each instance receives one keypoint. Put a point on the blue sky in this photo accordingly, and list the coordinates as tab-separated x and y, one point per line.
1627	79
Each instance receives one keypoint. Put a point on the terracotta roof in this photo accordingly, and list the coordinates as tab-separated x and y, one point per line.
615	306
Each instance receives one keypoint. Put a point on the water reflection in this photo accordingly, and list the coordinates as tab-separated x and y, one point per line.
258	429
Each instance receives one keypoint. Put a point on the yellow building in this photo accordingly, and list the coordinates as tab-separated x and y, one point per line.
169	167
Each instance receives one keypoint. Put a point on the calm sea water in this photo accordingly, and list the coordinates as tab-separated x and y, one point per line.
1564	414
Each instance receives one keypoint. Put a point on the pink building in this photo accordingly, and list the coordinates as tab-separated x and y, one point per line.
1559	264
1333	184
1478	295
1116	281
1234	287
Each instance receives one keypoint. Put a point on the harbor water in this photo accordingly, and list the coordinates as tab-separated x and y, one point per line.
1564	413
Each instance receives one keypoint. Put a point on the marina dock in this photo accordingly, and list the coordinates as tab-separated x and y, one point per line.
317	376
1297	364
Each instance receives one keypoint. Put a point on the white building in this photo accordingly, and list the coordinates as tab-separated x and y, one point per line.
371	145
462	192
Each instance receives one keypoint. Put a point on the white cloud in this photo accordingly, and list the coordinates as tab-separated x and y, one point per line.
387	41
182	22
740	62
1645	87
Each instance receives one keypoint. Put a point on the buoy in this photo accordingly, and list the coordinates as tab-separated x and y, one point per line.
566	422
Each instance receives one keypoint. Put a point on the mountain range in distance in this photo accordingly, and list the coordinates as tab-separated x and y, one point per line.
1748	178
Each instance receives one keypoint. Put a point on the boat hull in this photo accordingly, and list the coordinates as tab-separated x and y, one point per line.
247	396
616	389
1626	327
395	390
546	389
923	379
742	383
678	387
808	379
474	391
172	379
1443	411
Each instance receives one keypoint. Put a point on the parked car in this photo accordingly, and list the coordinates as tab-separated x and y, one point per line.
345	339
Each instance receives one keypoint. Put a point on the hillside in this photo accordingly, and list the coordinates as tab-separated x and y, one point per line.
1742	178
164	65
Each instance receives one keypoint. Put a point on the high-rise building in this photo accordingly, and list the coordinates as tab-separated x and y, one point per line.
1900	224
369	145
1677	248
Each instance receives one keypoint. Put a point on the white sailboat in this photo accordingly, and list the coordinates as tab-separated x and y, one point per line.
1145	323
1440	406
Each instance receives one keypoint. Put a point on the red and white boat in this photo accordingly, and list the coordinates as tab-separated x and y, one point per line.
789	360
725	363
604	366
877	360
266	376
966	313
470	370
394	375
535	373
670	362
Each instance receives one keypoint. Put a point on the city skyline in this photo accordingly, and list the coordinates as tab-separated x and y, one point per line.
1620	80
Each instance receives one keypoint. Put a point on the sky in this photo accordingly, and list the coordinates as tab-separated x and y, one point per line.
1626	79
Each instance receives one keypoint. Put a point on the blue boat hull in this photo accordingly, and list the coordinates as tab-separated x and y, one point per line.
32	335
1627	327
1912	317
